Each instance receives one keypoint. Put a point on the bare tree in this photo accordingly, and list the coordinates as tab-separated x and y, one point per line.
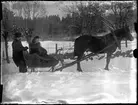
122	13
30	10
5	29
87	16
76	20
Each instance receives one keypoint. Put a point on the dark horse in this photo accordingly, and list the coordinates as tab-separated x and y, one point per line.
100	44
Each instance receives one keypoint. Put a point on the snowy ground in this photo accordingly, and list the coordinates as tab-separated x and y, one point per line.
94	85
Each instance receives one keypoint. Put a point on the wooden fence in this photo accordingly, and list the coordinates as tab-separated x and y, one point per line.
62	49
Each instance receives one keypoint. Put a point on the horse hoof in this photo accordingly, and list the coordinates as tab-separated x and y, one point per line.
106	69
79	70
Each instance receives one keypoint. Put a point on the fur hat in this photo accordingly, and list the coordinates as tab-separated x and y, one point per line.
17	35
36	37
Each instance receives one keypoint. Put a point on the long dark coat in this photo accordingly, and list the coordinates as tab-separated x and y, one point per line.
18	52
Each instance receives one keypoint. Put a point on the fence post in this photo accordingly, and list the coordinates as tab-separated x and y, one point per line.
56	48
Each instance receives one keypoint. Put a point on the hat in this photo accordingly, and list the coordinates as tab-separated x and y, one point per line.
36	37
17	35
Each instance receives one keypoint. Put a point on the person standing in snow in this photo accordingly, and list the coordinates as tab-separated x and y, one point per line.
18	53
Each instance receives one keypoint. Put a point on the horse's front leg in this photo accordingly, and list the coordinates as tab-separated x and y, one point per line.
108	60
52	68
78	64
32	69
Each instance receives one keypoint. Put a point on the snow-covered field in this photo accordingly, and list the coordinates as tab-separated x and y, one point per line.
94	85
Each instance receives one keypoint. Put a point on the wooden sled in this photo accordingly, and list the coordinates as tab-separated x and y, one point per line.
35	61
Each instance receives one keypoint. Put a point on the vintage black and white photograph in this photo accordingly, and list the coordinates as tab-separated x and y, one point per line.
68	52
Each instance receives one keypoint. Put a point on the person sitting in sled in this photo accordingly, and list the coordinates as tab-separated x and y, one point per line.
35	47
18	53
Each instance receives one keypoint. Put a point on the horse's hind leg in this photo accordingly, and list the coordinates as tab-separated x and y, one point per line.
108	61
79	67
52	68
78	64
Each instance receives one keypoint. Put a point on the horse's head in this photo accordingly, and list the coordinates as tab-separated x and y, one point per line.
128	34
125	33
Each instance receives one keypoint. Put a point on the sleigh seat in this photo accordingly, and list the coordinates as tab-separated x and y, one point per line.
36	61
